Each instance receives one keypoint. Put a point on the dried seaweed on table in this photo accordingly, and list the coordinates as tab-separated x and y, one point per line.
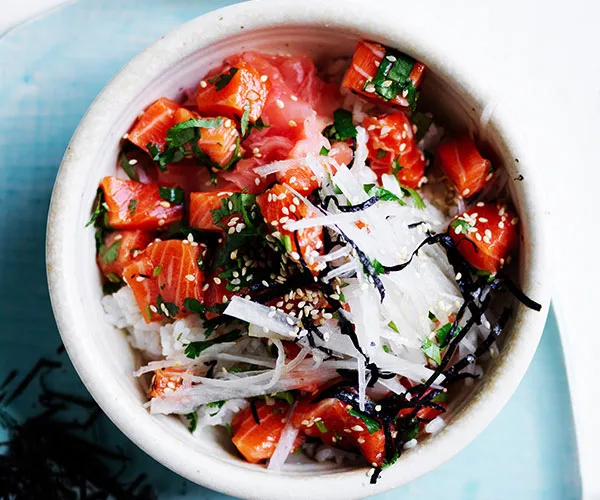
50	455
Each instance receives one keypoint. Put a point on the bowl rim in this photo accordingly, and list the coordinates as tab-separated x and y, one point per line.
130	82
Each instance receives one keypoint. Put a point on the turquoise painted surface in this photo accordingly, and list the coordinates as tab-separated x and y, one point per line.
50	71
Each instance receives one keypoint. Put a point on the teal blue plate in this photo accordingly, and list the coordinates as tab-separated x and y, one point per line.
50	71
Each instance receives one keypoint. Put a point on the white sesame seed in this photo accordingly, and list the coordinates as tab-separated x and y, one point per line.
227	123
190	277
477	236
205	287
514	221
480	204
370	88
203	84
358	428
217	280
292	123
295	255
289	320
387	83
501	225
231	230
139	279
282	196
280	104
361	440
225	298
285	210
161	222
482	219
153	309
165	204
466	192
125	136
233	255
240	227
257	181
489	176
458	276
294	98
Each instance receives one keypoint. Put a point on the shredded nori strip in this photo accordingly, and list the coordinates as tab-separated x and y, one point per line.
350	208
48	456
254	412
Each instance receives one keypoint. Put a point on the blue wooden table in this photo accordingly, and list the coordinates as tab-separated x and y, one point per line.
50	71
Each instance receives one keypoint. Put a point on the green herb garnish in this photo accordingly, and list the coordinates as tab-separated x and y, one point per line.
463	225
285	396
99	208
392	78
372	425
157	271
194	349
193	418
432	316
321	426
442	397
221	81
381	153
324	151
381	193
167	309
393	326
173	195
422	121
128	168
244	119
132	206
216	405
110	254
418	201
431	350
342	128
113	278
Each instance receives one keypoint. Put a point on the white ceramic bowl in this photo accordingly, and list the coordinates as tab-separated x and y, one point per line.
102	355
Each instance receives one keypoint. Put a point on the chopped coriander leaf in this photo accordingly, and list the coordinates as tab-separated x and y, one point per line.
129	168
245	118
221	81
194	349
463	225
413	432
422	121
287	242
173	195
157	271
215	405
110	254
392	77
432	316
393	326
167	309
381	153
381	193
431	350
396	167
379	269
324	151
392	461
442	397
132	206
193	418
113	278
98	207
386	348
418	201
285	396
194	306
443	332
148	312
257	125
371	424
321	426
342	297
229	430
342	128
486	274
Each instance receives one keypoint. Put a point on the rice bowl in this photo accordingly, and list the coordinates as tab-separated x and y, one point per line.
403	470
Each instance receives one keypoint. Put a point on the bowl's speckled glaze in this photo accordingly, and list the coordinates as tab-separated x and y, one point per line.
102	355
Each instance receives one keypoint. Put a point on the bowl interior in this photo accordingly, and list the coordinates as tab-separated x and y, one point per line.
109	355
